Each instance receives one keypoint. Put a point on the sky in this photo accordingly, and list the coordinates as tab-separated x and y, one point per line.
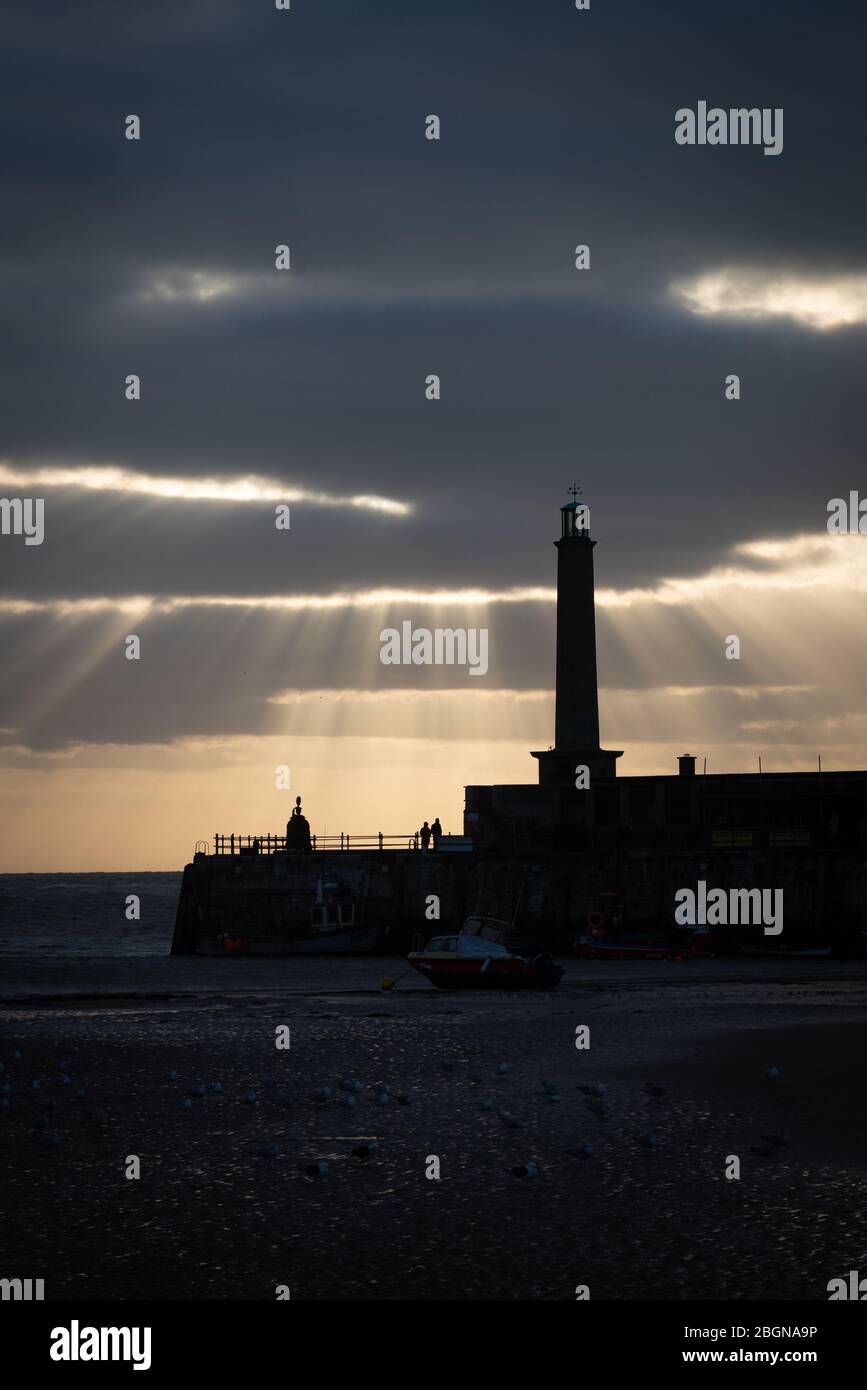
260	647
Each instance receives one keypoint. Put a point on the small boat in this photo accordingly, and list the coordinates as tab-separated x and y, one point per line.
332	924
684	943
590	948
476	958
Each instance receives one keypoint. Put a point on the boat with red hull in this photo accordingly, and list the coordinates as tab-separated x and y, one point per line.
477	958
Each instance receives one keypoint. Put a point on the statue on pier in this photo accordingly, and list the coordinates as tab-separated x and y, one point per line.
298	831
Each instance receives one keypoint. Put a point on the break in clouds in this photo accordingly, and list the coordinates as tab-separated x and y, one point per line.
154	259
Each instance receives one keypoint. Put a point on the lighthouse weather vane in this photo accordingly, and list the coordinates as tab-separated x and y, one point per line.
574	490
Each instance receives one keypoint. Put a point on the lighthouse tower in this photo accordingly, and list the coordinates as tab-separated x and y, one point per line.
576	728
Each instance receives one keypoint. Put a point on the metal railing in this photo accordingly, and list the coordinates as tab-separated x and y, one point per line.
276	844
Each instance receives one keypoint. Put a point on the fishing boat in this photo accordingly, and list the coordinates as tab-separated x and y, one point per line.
332	924
680	943
477	958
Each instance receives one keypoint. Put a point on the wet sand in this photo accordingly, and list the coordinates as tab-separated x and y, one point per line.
211	1217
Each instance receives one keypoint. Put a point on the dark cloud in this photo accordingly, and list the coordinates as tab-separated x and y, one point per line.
409	258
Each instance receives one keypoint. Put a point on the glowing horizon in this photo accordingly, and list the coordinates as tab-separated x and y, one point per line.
388	757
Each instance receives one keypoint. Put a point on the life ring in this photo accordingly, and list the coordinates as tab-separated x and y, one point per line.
595	920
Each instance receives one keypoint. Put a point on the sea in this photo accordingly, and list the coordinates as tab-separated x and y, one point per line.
73	915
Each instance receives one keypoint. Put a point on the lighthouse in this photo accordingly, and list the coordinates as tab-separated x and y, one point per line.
576	722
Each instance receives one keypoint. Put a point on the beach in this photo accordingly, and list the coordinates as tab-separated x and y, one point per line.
625	1192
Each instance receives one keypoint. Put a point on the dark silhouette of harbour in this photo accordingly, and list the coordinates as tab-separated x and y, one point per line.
583	856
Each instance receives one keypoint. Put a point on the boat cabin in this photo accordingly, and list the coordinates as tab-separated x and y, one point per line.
329	916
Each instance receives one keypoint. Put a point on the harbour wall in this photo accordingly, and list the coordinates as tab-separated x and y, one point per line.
548	894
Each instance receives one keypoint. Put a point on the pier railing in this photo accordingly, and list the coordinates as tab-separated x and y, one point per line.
276	844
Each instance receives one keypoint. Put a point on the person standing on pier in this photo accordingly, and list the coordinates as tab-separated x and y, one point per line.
425	834
436	831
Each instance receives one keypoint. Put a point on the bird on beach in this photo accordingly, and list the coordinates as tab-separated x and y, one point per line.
321	1096
171	1076
596	1108
509	1121
350	1085
654	1090
250	1098
316	1170
597	1089
347	1101
502	1068
365	1150
583	1150
773	1073
185	1105
215	1087
646	1141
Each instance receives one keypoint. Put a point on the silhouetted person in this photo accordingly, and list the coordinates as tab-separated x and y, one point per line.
436	831
425	834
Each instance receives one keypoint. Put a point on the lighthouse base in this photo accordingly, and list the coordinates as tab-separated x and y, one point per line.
557	766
